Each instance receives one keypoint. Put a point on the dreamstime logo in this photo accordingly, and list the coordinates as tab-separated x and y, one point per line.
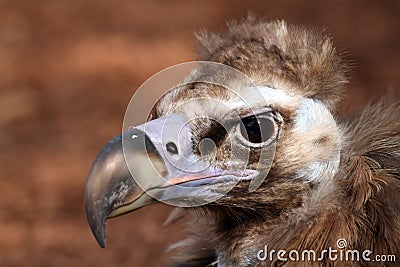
341	243
177	156
329	254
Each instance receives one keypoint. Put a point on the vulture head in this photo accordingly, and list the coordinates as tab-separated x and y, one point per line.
255	154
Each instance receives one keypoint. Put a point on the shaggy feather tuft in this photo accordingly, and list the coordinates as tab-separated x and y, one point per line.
278	55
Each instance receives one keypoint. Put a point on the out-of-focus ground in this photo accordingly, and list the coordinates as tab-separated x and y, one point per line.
67	71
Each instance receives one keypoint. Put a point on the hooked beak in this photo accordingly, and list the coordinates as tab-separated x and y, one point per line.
152	162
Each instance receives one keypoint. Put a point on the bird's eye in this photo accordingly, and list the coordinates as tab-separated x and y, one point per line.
257	130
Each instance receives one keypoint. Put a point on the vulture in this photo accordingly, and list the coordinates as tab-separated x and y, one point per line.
266	172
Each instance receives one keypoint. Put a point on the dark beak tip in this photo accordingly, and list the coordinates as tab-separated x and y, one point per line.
102	242
97	223
100	235
98	228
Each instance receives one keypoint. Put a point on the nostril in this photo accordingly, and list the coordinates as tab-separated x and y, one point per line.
171	148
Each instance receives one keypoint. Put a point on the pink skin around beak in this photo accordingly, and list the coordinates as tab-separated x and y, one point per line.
152	162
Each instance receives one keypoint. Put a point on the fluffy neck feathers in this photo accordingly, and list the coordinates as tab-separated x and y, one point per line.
360	204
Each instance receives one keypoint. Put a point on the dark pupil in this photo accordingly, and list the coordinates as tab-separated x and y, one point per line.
256	130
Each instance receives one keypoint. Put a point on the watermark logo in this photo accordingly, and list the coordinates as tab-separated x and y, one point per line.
341	243
340	253
183	161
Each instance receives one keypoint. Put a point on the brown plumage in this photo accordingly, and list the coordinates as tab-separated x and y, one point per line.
331	178
360	204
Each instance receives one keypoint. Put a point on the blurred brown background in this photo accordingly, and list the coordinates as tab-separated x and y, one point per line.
67	71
